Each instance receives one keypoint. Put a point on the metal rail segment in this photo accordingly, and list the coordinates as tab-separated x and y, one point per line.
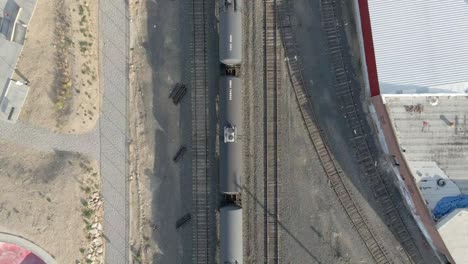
332	28
329	164
271	92
200	177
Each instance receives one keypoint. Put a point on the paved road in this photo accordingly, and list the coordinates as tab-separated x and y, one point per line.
45	140
113	28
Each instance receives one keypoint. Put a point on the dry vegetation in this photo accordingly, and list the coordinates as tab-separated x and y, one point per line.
52	199
60	58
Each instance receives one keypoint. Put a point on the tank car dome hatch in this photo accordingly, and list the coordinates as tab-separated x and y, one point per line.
229	134
231	248
230	32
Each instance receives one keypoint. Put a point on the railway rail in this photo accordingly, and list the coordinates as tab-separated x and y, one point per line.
333	29
201	239
318	139
271	93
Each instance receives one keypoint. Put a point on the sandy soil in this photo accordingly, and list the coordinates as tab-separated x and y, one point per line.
140	153
60	60
52	200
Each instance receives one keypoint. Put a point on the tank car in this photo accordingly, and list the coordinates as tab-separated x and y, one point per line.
230	32
231	251
231	158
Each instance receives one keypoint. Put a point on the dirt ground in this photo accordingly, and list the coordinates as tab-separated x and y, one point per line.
141	153
317	74
52	199
161	57
160	189
313	228
313	222
60	60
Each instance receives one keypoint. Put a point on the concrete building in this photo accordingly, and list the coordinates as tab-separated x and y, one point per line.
454	231
420	45
416	75
434	133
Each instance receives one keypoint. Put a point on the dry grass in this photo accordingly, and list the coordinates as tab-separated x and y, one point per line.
60	58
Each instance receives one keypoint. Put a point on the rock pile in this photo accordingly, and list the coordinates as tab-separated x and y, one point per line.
94	253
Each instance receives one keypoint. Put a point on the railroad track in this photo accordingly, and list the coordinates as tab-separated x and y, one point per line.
201	239
329	164
333	29
271	93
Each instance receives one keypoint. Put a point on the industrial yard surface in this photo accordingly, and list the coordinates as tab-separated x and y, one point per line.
317	68
313	225
315	217
118	152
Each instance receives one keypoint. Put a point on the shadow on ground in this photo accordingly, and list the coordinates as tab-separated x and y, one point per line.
170	49
167	45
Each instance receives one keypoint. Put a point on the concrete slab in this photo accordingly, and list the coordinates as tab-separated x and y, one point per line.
27	9
12	102
10	13
454	230
15	16
433	128
9	52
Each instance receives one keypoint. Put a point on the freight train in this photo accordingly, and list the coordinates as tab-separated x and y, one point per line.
231	141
